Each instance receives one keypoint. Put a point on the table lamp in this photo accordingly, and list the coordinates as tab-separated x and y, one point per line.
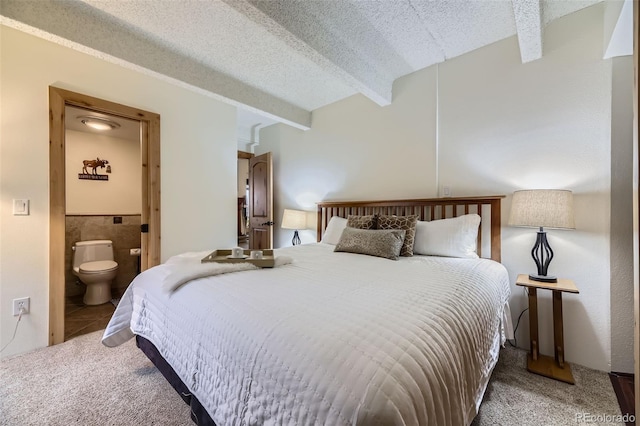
294	219
540	208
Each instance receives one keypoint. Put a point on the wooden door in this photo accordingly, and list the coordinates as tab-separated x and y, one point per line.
261	202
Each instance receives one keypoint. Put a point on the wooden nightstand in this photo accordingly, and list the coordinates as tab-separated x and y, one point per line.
555	368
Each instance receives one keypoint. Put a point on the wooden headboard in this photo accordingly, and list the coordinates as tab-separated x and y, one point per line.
427	209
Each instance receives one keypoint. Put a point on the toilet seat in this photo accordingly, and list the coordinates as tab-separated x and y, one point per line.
98	267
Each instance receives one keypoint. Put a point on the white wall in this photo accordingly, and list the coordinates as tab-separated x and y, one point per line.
121	194
507	126
198	168
356	150
502	126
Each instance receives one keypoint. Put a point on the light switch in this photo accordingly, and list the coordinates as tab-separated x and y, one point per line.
20	207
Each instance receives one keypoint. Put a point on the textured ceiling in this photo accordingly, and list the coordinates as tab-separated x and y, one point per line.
284	58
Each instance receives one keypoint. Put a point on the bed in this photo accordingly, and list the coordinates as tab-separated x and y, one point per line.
331	337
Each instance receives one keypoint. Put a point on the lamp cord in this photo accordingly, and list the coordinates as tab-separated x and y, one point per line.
14	330
515	340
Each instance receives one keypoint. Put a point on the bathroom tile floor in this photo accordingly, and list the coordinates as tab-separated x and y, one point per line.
81	319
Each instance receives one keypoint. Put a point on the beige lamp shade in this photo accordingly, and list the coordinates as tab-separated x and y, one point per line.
546	208
294	219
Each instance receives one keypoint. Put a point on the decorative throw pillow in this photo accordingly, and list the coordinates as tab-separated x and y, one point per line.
408	223
455	237
373	242
334	230
362	222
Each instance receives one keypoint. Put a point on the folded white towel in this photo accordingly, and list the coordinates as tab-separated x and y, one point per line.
183	272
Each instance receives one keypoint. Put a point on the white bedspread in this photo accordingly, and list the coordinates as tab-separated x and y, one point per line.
331	339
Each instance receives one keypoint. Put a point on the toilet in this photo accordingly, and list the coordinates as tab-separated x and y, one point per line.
93	264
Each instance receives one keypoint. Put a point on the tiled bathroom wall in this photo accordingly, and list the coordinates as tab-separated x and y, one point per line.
125	236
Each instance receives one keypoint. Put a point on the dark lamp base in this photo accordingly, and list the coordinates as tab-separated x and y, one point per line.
543	278
296	238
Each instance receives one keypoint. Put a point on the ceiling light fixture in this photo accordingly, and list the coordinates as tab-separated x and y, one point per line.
98	123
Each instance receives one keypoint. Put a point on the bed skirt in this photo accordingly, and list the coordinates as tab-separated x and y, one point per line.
198	414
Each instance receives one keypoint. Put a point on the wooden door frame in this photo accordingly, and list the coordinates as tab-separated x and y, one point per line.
636	207
245	155
150	214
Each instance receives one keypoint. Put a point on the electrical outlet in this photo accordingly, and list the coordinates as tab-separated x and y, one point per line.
22	303
446	191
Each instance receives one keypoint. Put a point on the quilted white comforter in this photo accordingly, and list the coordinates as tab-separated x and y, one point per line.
331	339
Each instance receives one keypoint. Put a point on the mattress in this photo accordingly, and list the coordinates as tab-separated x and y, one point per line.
332	338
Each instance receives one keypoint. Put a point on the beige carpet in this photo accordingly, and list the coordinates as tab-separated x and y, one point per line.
516	397
81	382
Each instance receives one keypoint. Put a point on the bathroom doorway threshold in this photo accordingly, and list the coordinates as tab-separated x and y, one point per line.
150	214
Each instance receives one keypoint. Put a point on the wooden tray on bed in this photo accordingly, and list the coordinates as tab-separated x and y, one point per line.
220	256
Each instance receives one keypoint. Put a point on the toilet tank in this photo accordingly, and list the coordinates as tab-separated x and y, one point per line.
89	251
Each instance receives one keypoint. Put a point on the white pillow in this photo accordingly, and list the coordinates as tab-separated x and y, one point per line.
334	230
455	237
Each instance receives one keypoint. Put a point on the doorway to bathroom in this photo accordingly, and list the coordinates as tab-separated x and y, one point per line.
102	216
113	194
